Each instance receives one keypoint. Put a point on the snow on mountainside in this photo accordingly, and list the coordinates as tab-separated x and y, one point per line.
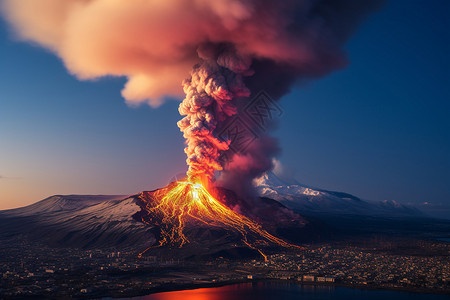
99	221
61	203
107	222
84	221
305	199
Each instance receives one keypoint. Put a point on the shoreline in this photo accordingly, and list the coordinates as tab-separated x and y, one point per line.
195	286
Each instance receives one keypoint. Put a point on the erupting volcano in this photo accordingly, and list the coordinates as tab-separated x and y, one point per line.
184	203
233	50
211	91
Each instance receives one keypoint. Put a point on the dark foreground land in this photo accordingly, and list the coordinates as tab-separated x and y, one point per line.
33	270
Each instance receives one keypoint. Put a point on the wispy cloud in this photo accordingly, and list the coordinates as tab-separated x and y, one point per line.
7	177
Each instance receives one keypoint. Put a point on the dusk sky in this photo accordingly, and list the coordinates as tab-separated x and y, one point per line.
378	129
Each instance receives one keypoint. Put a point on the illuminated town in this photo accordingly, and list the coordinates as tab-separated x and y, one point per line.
374	264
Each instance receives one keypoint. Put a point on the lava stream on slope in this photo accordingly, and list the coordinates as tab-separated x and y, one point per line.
184	203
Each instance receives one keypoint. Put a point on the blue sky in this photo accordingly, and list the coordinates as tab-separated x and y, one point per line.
379	129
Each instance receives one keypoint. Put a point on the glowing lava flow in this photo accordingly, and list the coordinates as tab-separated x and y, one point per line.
183	202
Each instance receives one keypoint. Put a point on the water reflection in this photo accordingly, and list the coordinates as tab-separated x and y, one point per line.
219	293
241	291
288	290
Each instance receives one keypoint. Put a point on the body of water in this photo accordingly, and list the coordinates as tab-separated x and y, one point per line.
286	291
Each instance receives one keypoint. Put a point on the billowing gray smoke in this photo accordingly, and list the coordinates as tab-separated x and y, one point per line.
237	48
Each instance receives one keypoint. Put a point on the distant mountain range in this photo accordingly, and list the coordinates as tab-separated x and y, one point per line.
304	199
101	221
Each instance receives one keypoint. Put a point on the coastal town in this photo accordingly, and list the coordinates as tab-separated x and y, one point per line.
37	270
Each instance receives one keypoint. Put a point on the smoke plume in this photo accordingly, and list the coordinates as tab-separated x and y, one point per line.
210	91
237	47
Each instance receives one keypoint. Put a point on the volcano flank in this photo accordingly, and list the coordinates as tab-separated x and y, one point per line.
182	220
183	212
216	224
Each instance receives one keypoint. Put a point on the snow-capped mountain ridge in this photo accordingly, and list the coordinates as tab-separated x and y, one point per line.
87	221
306	199
90	221
61	203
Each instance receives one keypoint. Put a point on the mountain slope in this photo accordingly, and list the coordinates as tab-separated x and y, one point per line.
61	203
79	221
99	221
125	223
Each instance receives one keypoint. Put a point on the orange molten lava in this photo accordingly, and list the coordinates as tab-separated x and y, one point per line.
185	201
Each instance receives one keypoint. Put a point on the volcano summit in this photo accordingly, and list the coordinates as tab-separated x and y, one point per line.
183	205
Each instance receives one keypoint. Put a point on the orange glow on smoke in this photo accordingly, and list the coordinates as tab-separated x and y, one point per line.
185	201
